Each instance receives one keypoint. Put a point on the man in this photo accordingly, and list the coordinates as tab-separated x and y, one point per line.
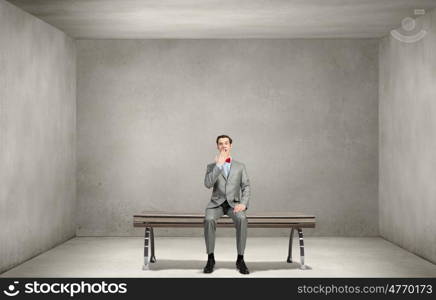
228	178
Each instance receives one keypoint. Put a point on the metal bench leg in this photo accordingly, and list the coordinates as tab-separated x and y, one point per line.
300	235
290	245
153	258
147	242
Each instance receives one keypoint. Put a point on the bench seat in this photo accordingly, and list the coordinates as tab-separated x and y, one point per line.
292	220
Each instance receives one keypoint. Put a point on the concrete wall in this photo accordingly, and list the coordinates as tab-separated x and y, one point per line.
408	141
303	115
37	136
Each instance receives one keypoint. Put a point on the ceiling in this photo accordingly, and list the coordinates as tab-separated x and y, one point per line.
144	19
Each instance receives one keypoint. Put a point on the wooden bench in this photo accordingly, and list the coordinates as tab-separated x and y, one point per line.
149	220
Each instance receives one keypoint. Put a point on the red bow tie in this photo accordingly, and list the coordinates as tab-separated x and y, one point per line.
228	160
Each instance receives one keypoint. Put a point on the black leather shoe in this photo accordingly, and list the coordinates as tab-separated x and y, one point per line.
242	267
209	266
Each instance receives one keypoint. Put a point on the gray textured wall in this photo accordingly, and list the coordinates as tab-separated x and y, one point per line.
408	141
303	115
37	136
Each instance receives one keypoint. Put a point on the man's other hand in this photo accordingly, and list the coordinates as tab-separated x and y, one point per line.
238	208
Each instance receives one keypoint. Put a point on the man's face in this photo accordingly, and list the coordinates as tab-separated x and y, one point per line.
224	144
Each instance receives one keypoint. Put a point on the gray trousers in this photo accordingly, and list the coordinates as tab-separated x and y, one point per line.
239	219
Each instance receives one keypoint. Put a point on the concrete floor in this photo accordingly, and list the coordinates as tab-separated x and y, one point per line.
185	257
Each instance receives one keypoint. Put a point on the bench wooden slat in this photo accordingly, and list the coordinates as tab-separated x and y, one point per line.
221	220
251	225
249	215
259	220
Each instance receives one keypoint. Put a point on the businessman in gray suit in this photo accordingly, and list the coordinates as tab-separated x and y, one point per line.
230	196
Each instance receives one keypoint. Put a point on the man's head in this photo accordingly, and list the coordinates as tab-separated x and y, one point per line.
224	142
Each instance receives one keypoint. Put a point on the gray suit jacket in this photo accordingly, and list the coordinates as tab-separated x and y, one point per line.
228	189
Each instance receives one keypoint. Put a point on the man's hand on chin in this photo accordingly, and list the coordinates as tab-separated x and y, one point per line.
239	207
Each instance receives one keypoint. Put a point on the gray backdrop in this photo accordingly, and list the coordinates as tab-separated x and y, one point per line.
37	136
408	141
303	115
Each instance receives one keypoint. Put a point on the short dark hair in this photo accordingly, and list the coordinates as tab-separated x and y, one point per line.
223	136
